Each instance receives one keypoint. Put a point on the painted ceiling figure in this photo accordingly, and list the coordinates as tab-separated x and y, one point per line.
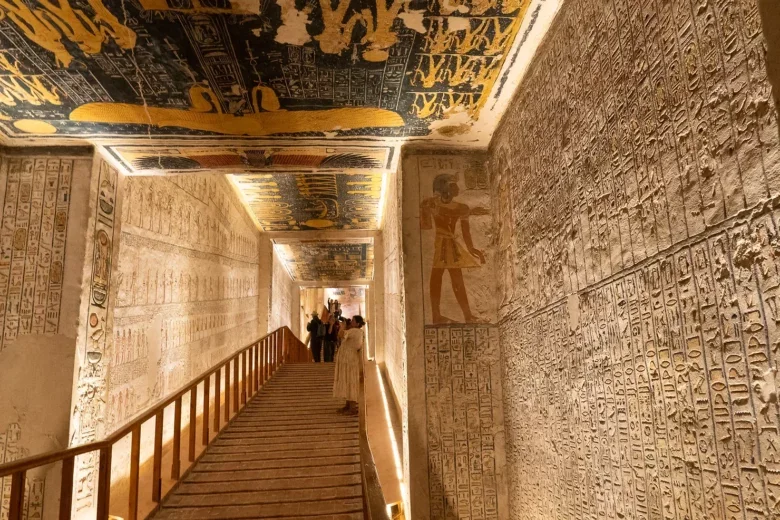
380	36
337	35
52	21
269	118
443	213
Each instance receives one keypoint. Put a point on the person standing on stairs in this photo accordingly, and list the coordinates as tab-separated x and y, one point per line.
346	383
317	331
331	338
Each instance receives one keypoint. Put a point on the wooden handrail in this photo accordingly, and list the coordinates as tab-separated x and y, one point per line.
373	499
257	362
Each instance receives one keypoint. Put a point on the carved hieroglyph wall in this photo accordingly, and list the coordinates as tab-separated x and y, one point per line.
283	308
394	333
187	286
455	418
635	187
44	198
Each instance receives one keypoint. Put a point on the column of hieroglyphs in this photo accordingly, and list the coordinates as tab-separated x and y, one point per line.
636	182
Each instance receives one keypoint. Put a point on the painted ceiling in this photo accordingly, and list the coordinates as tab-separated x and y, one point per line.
289	201
210	70
328	261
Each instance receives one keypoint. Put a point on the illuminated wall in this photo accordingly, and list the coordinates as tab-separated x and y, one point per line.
634	185
283	297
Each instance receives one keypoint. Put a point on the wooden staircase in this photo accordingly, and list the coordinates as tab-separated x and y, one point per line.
288	454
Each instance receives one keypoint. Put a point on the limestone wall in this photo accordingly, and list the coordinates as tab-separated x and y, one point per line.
635	185
44	196
187	282
283	308
394	333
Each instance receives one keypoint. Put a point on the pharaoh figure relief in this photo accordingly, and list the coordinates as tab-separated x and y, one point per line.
453	252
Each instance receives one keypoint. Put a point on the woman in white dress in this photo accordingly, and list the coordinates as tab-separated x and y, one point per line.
346	384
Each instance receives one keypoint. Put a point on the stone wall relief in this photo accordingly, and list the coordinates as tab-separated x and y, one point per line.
462	358
36	203
639	168
455	201
88	420
187	286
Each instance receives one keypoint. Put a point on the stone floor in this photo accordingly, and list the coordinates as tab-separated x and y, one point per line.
288	455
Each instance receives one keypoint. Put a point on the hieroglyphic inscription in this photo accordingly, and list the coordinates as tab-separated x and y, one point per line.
10	450
461	369
622	145
88	421
187	286
654	394
639	325
36	199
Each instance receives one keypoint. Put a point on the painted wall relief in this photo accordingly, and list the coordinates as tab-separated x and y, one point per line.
462	356
36	200
395	312
89	417
311	201
456	228
238	68
332	260
634	182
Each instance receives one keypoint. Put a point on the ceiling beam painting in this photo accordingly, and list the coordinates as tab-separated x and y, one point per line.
328	261
312	201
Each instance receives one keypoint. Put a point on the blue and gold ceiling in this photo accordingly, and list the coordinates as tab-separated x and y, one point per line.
328	261
289	201
116	69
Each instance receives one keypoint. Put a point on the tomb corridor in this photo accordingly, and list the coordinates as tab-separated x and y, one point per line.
553	226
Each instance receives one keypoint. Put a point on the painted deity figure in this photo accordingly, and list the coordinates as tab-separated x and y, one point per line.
443	214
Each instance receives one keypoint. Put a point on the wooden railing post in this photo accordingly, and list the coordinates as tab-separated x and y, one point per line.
265	360
235	384
250	371
176	455
135	456
66	487
193	421
104	483
157	461
243	377
227	392
16	506
217	398
256	366
206	406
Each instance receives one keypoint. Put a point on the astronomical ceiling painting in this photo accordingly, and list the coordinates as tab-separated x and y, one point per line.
312	201
331	261
214	69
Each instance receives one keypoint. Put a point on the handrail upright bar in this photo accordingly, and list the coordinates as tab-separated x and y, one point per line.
16	505
373	498
217	398
236	384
